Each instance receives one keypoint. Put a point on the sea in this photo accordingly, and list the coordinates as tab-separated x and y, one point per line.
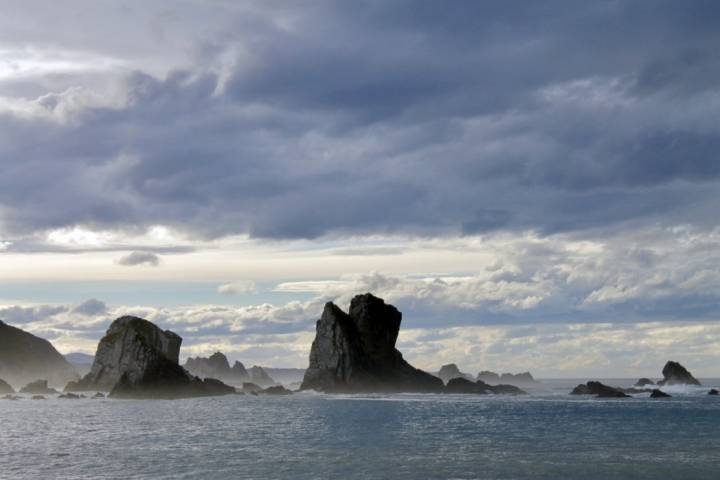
547	434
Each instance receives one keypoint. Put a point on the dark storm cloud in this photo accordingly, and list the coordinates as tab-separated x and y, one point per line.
379	117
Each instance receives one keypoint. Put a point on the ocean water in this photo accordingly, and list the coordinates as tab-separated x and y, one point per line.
545	435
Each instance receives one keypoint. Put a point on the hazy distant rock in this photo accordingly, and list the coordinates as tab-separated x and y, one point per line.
517	379
25	357
657	393
5	388
249	387
503	389
489	377
136	359
38	387
676	374
714	391
644	381
450	371
276	390
356	352
259	376
598	389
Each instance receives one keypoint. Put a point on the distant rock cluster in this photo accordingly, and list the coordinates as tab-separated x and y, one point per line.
217	366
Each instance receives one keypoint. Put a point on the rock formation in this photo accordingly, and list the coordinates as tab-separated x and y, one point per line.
356	352
450	371
39	387
657	393
25	357
259	376
136	359
598	389
676	374
5	388
644	381
217	366
276	390
463	385
714	391
249	387
521	379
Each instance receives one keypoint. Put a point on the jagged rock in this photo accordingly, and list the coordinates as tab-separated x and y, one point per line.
259	376
136	359
714	391
37	397
25	357
129	347
598	389
5	388
238	370
39	387
276	390
450	371
488	377
657	393
356	352
248	387
644	381
463	385
69	396
676	374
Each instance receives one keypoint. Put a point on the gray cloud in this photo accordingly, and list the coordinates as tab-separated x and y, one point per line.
427	119
91	307
139	258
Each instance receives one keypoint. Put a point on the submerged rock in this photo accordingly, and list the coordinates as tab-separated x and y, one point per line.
657	393
39	387
599	389
355	352
5	388
276	390
676	374
714	391
644	381
136	359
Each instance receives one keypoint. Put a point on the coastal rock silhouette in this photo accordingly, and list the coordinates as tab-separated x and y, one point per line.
450	371
355	352
644	381
517	379
136	359
676	374
25	357
463	385
599	389
38	387
657	393
5	388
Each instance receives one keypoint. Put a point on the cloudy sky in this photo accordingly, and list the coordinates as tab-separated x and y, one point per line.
536	185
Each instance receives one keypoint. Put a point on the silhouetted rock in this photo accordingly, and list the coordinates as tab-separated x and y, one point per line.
657	393
356	352
714	391
276	390
248	387
39	387
506	389
524	378
259	376
5	388
598	389
25	357
644	381
450	371
37	397
463	385
136	359
489	377
69	396
676	374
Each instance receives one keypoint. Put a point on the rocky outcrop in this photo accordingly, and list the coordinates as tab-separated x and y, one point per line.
5	388
249	387
136	359
521	379
217	366
643	382
714	391
39	387
657	393
463	385
676	374
25	357
259	376
276	390
355	352
598	389
450	371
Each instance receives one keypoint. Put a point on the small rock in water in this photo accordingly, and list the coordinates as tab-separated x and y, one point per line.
69	396
657	393
38	397
277	390
714	391
99	395
676	374
599	389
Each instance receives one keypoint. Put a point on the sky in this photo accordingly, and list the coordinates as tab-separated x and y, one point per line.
535	185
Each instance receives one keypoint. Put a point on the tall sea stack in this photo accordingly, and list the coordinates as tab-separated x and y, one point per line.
356	352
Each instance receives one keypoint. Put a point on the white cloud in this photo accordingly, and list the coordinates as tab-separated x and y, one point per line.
238	288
